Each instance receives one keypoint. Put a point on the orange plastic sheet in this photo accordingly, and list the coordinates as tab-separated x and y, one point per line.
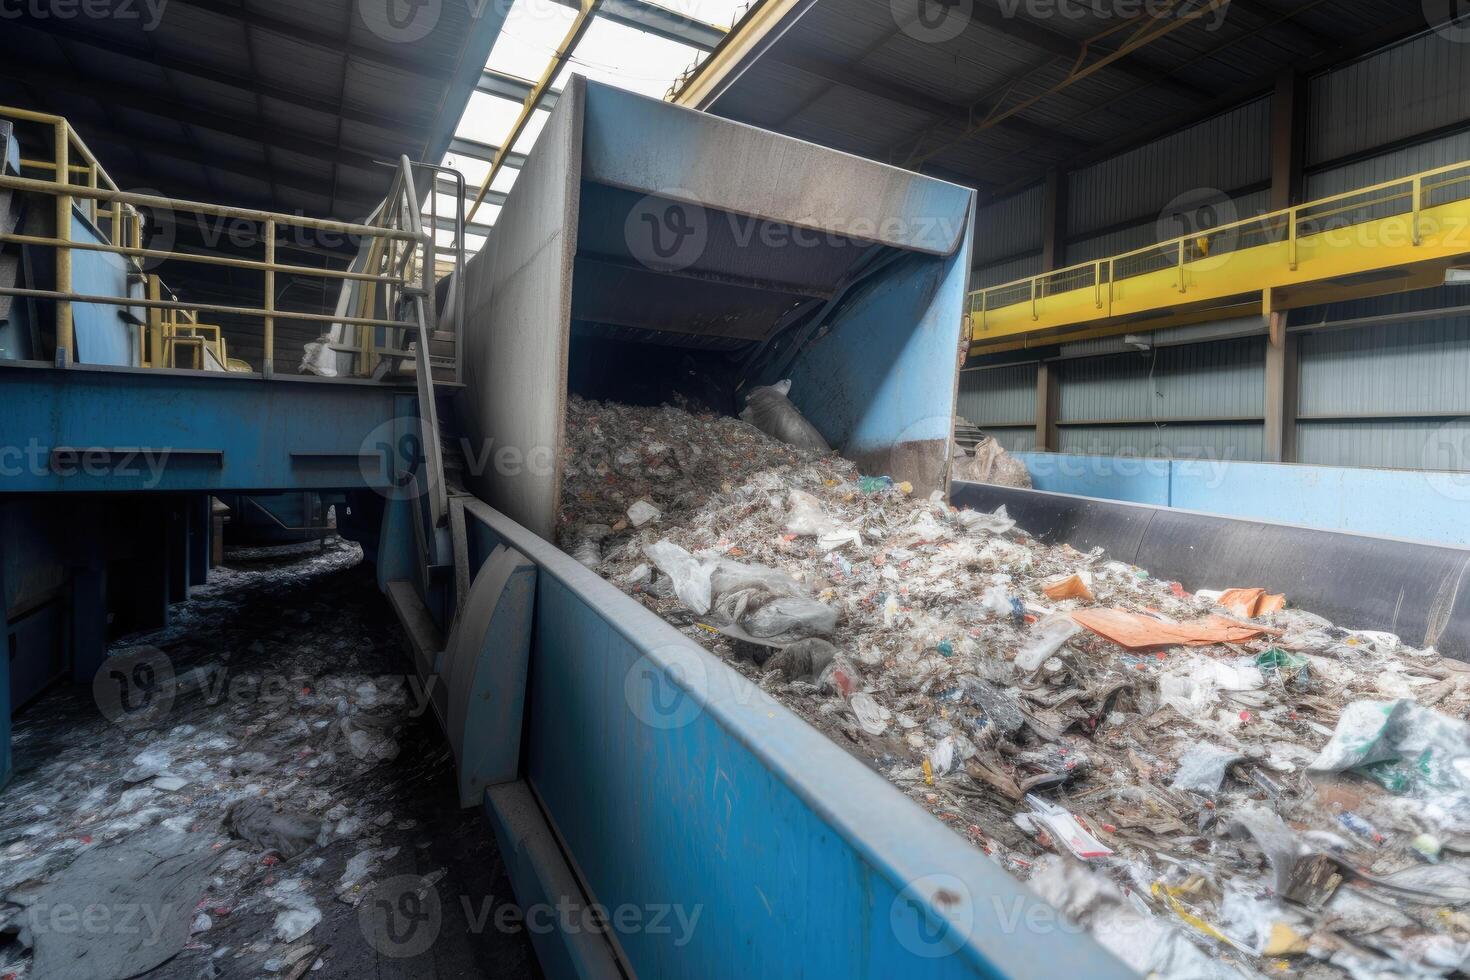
1136	631
1071	587
1250	603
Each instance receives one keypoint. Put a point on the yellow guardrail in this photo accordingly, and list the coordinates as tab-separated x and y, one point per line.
173	327
1398	235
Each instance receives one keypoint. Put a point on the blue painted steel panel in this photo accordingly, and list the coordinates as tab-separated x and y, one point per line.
673	781
880	392
102	335
1420	506
1141	480
204	431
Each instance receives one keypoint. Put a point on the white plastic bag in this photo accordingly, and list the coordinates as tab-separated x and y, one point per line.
691	577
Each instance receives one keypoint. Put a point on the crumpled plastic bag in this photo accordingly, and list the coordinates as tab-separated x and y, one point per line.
768	409
806	518
1202	768
765	603
999	522
691	577
790	619
1402	746
1046	639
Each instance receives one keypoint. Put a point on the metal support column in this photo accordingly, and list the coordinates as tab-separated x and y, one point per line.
1281	392
1288	139
1047	401
1288	149
1054	221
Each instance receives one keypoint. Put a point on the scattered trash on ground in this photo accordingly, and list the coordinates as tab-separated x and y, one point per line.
288	775
1215	784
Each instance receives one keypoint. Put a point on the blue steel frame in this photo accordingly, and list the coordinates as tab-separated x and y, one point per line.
218	431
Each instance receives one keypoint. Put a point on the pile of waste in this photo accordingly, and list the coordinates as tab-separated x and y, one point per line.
1215	784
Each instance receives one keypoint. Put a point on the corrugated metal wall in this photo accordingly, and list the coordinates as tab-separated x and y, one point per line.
1416	87
1377	395
1009	227
1002	402
1229	152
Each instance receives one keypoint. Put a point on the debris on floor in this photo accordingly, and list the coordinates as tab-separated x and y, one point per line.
290	770
1214	784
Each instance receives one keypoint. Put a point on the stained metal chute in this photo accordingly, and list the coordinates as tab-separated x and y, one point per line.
649	250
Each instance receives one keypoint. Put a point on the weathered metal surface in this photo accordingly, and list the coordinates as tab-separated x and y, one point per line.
517	320
484	674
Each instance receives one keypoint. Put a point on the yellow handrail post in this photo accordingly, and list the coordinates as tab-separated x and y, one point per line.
1180	246
155	324
985	309
1291	236
268	360
1097	284
1034	314
64	325
1418	239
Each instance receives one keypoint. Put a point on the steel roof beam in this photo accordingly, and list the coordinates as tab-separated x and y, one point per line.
154	104
66	30
858	80
515	89
474	227
476	150
1062	46
1276	17
659	21
321	39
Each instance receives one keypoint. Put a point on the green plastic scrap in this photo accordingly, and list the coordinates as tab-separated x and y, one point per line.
1404	747
1290	666
873	484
